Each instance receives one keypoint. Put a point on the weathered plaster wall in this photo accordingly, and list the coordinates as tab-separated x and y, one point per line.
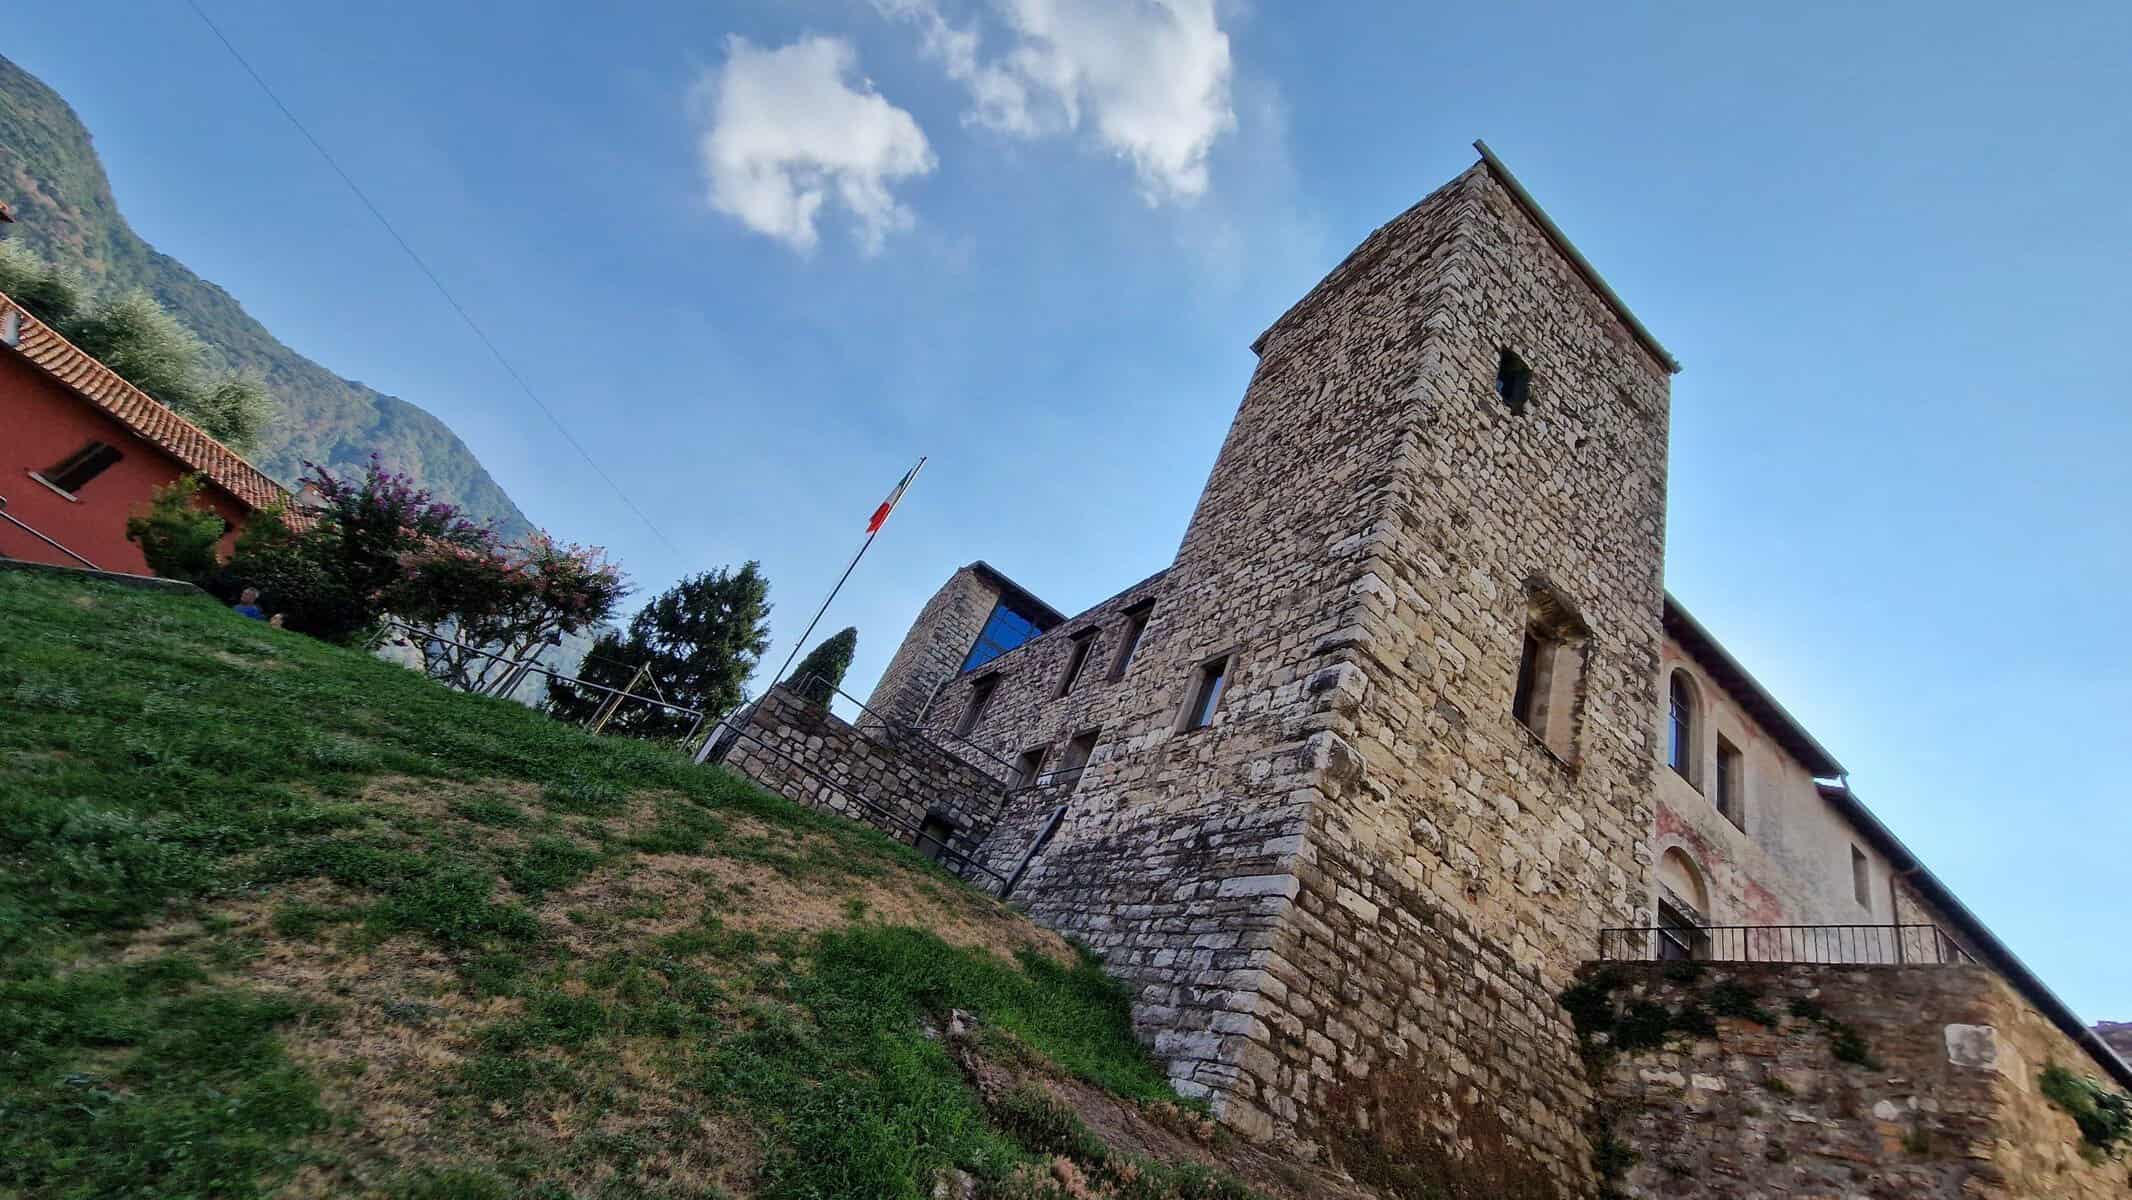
1791	863
1945	1106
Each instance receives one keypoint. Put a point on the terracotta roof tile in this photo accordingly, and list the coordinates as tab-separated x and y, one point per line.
153	421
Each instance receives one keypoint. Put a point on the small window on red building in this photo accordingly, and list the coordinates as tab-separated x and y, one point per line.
84	465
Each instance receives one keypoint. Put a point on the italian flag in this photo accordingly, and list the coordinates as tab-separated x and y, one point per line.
880	517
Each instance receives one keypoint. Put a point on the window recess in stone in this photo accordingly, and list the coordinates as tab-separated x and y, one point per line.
980	695
1513	382
1076	660
1204	700
1550	676
1029	766
1135	625
1076	757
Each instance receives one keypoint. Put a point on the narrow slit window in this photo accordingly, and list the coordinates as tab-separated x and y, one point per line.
980	695
1206	694
1521	699
85	464
1076	659
1135	626
1513	382
1861	878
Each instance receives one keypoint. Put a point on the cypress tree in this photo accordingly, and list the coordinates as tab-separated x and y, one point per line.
822	671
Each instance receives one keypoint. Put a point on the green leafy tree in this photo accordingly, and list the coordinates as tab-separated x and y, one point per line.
234	408
702	638
53	294
820	673
178	535
134	336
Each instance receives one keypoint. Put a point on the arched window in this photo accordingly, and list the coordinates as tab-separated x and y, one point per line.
1680	726
1683	908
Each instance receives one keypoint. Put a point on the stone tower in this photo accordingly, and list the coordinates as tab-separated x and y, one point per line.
1426	569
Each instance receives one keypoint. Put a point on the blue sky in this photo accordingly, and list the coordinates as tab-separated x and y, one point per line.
1888	242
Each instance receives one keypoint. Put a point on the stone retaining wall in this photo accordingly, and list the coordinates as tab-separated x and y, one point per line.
1896	1083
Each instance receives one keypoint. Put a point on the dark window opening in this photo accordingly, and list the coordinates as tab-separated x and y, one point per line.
1680	936
84	465
1861	878
1513	381
1680	727
1135	625
980	695
933	835
1028	767
1521	700
1731	777
1075	759
1010	624
1206	694
1076	659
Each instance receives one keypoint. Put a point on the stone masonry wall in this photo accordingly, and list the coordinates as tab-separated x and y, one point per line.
1898	1083
934	648
1347	905
804	752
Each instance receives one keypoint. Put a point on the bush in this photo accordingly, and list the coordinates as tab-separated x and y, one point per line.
177	535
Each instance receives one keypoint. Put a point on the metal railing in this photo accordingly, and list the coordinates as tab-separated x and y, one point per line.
811	685
1891	945
516	670
17	523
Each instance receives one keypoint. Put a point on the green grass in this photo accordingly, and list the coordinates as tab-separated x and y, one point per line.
190	801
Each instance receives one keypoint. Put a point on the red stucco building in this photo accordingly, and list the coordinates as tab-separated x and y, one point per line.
81	450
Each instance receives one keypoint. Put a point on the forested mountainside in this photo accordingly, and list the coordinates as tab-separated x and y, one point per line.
64	209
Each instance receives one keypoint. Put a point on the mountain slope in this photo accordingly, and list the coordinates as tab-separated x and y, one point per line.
65	210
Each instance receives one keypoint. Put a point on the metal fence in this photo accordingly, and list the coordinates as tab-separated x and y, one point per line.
505	675
1832	944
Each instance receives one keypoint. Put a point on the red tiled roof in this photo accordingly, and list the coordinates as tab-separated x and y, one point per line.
151	420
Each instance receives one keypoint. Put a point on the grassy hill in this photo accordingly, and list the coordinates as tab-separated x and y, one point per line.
280	918
65	211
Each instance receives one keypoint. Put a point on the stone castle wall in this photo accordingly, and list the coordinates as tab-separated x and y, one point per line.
933	650
884	777
1934	1093
1347	904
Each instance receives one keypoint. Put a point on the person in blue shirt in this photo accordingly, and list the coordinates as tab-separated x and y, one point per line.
247	605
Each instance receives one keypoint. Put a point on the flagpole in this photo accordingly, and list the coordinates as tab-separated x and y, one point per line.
848	568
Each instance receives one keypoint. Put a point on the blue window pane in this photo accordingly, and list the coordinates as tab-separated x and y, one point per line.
1006	629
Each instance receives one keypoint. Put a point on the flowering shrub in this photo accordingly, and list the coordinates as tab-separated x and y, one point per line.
510	603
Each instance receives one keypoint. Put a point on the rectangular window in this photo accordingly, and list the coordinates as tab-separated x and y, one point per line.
1010	624
980	695
1076	659
1076	758
1028	767
1513	382
1206	694
1731	779
1679	937
1135	625
82	466
1861	878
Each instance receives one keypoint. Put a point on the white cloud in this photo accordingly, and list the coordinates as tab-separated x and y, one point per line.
788	133
1149	78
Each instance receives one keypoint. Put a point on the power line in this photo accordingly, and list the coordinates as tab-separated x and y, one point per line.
435	282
